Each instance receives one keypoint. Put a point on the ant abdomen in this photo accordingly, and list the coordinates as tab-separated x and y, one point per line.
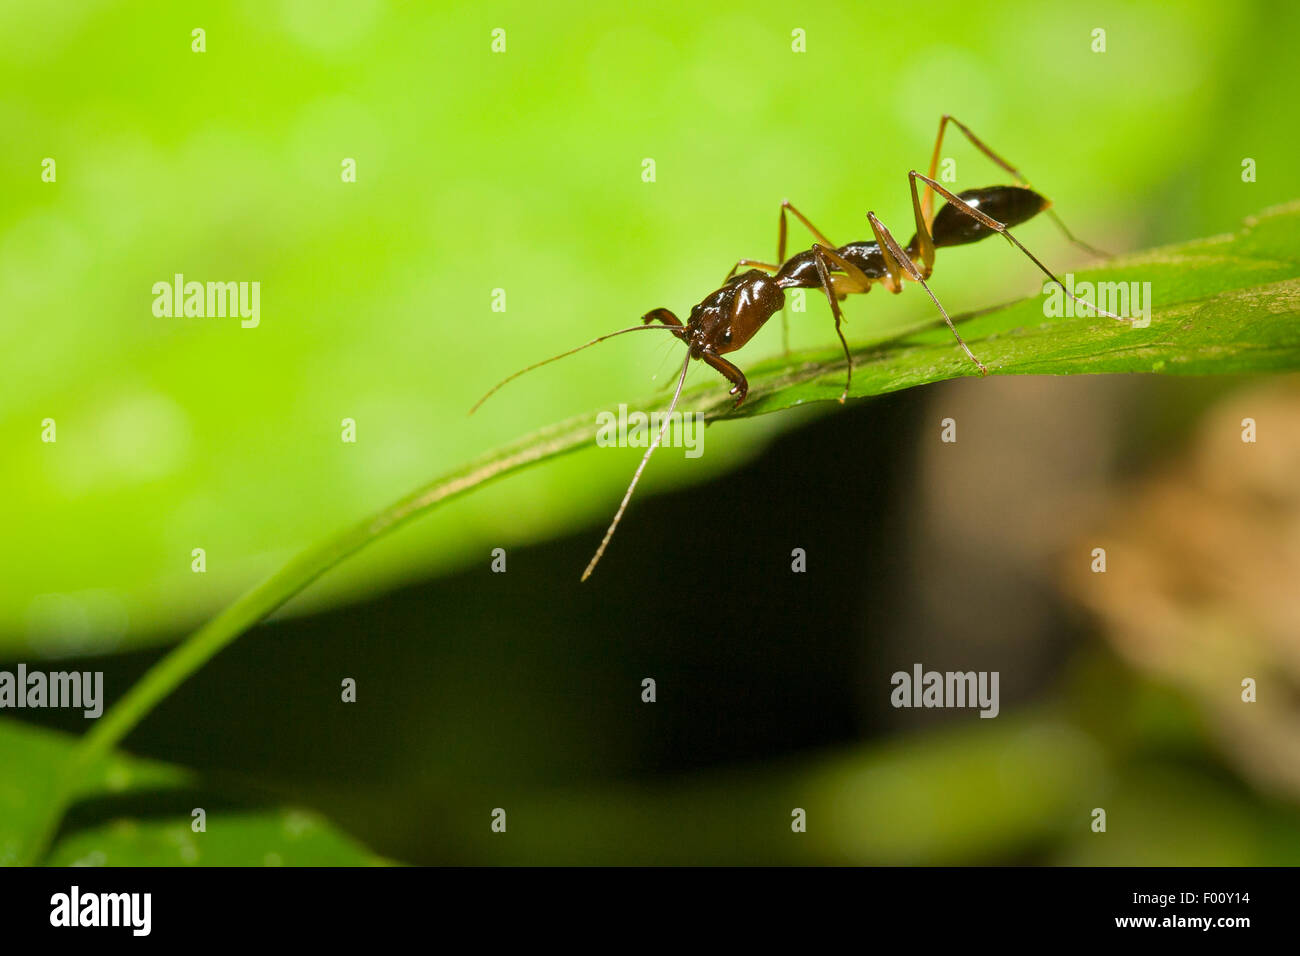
1009	205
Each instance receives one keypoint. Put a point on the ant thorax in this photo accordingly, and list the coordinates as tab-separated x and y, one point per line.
867	257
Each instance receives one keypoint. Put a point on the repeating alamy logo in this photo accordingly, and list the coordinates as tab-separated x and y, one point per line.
79	690
922	688
637	430
1128	300
214	300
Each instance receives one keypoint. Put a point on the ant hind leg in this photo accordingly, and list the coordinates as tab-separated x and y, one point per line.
979	144
964	207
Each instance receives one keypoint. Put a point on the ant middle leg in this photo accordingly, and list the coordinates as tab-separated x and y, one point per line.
897	262
825	257
928	201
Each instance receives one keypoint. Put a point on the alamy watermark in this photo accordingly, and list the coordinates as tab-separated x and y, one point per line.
213	300
133	911
922	688
79	690
1128	300
637	430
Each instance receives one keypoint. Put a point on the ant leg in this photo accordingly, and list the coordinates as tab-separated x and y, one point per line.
962	206
739	384
751	263
979	144
822	256
781	230
896	261
924	237
854	279
975	141
781	234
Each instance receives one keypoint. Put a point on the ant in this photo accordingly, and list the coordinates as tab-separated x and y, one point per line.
726	319
968	217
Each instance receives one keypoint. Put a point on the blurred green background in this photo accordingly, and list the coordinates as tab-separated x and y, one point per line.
522	171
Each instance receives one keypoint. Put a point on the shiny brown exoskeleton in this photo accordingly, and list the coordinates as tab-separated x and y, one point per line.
729	317
726	319
968	216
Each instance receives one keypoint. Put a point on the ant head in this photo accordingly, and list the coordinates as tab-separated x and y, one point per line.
728	318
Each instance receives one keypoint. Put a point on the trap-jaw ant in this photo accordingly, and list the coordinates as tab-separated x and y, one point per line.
726	319
969	216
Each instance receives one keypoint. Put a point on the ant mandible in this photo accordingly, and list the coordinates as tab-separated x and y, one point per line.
726	319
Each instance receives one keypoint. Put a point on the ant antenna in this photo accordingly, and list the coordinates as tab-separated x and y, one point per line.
659	437
510	378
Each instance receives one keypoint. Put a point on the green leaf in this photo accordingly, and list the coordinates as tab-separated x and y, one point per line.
886	803
260	837
235	834
1223	305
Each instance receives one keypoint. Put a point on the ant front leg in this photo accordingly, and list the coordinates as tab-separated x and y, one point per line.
979	144
739	384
